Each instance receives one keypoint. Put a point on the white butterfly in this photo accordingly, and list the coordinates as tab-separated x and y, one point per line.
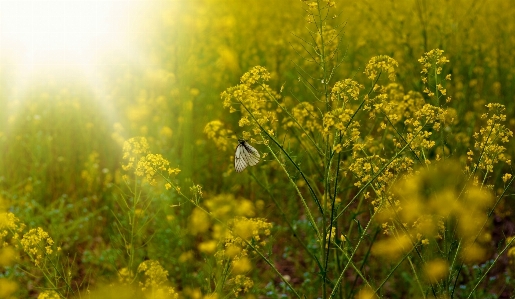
245	155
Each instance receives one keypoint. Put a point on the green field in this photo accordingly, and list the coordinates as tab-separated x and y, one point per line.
384	131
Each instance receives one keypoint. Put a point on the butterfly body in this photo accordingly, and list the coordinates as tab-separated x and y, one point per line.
245	155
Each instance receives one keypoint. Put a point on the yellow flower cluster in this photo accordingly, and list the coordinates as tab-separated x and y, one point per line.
365	168
152	164
37	244
133	149
506	177
257	75
380	64
315	8
327	41
424	204
315	4
223	207
230	235
216	132
145	164
10	224
432	60
255	99
49	295
421	127
339	120
432	63
345	90
125	276
196	190
252	230
155	283
333	238
240	284
393	102
490	137
306	117
94	177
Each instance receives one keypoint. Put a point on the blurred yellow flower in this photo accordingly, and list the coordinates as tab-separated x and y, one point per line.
166	132
208	247
7	288
436	269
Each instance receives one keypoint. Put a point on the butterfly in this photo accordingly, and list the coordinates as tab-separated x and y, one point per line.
244	156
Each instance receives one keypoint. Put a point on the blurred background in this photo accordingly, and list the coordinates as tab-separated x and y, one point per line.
78	78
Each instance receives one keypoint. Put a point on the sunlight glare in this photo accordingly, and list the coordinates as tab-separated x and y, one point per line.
50	34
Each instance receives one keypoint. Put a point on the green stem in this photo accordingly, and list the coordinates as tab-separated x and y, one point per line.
377	174
283	215
313	194
304	203
491	266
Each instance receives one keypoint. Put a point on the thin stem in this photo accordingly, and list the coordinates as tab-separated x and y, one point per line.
293	118
307	210
283	215
377	174
491	266
313	194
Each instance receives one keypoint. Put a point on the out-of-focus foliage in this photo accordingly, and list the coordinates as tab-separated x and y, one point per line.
167	214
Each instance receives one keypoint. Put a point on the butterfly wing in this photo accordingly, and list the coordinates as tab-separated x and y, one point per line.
239	162
245	155
250	154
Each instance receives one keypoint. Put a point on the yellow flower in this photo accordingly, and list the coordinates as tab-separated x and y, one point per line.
244	121
49	295
208	247
166	132
199	222
379	64
366	293
216	133
242	265
392	247
337	148
240	283
506	177
125	276
490	137
345	90
37	244
155	282
436	270
255	75
7	288
7	256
